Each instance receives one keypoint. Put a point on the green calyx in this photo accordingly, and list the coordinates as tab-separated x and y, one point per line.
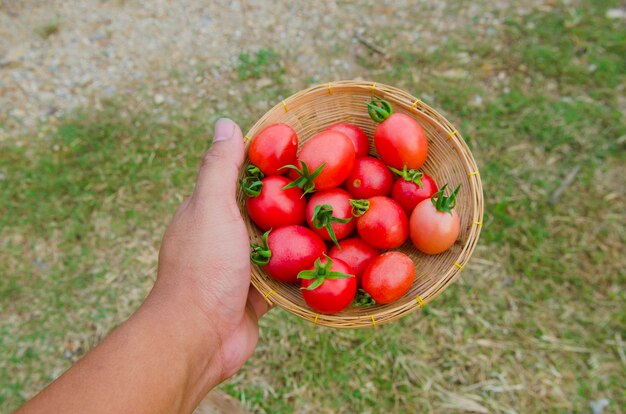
362	298
412	176
305	181
323	218
260	253
445	203
359	207
379	109
251	183
320	273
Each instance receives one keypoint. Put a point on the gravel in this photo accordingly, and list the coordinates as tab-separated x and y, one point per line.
99	49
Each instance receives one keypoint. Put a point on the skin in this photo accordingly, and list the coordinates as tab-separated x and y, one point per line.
408	194
334	295
433	231
339	200
293	248
356	253
401	140
198	325
336	151
384	225
276	207
356	135
273	148
389	277
370	177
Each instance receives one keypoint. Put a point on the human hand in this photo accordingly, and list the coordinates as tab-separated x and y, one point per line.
204	265
198	325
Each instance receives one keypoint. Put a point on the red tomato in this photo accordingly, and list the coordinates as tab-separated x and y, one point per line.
411	188
434	224
389	277
273	148
329	286
330	151
330	210
275	207
356	253
356	135
381	222
370	177
287	251
399	139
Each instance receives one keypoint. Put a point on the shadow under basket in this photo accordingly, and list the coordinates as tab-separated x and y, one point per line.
449	161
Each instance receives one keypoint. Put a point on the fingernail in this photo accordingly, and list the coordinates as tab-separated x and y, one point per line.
224	129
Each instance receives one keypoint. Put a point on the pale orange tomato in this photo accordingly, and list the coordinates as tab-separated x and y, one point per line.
434	224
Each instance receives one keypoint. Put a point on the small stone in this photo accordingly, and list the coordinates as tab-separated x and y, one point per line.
592	67
616	14
455	73
108	91
263	82
159	99
463	57
15	55
40	264
598	406
97	36
198	79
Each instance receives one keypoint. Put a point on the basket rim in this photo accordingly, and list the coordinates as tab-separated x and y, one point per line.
414	105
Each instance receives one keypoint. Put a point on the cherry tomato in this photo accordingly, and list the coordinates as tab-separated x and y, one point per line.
356	135
435	224
389	277
329	286
328	158
329	214
273	148
274	207
381	222
370	177
399	139
411	188
356	253
287	251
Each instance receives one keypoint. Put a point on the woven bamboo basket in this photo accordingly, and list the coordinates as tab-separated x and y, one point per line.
449	161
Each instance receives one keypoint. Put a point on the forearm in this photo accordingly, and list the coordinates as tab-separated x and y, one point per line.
160	360
200	322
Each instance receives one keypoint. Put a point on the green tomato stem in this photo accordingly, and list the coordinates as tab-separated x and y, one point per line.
379	109
251	183
305	181
320	273
412	176
323	218
359	207
260	253
445	203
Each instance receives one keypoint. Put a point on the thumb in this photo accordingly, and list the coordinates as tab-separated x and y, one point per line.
217	178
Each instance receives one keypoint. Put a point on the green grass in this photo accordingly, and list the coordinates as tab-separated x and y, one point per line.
264	63
50	28
536	324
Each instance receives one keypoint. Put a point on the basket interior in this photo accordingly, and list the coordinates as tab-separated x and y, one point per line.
449	161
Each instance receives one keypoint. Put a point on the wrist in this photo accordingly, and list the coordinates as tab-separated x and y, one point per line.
180	323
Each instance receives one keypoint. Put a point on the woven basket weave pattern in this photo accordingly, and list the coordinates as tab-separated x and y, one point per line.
449	161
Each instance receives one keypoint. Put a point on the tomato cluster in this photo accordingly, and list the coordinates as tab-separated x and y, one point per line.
334	194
